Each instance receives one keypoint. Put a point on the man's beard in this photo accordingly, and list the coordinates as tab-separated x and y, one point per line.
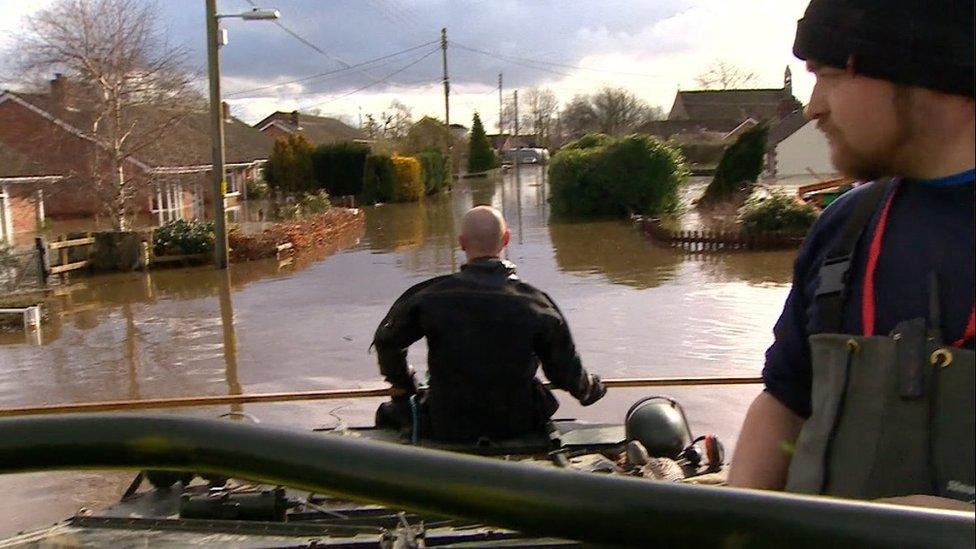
886	160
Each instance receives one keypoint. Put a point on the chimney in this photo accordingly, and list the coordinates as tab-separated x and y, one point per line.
294	120
225	111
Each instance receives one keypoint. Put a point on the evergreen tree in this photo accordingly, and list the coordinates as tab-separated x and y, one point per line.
740	166
289	167
480	156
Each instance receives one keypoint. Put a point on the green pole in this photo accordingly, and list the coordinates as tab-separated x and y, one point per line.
531	499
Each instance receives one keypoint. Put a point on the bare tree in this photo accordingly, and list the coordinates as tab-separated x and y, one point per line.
371	126
541	107
724	75
127	83
397	120
578	118
618	111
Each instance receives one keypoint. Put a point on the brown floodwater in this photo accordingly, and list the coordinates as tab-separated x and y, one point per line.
635	310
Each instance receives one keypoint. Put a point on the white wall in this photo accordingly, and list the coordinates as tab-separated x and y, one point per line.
806	148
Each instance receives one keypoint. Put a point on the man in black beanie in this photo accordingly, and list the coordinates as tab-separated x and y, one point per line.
870	380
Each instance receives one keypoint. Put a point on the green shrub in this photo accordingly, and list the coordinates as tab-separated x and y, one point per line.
740	166
181	237
256	190
600	176
433	170
777	212
315	203
378	179
480	156
589	141
338	167
408	186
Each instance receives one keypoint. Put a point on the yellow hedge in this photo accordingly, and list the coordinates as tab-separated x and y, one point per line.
408	185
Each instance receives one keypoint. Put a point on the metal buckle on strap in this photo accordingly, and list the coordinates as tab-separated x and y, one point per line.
833	275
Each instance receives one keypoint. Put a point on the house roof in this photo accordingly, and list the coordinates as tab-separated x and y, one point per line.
760	104
15	165
318	129
786	127
668	128
187	143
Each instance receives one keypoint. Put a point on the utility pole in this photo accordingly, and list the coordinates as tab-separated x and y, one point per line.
501	128
216	138
515	139
217	118
360	117
447	82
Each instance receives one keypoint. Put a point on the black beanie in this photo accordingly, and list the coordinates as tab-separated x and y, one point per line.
915	42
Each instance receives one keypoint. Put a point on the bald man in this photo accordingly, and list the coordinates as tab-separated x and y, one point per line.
487	333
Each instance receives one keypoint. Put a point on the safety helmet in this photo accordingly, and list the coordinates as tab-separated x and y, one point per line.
659	423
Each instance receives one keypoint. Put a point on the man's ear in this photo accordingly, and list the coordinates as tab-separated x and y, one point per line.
462	242
506	237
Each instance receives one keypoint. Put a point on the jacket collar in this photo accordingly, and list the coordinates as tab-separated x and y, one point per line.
489	268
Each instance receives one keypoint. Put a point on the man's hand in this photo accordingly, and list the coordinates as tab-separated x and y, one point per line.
594	392
932	502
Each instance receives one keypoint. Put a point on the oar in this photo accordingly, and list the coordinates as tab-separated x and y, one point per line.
331	394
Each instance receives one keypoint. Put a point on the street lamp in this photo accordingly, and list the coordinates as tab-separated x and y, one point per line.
217	120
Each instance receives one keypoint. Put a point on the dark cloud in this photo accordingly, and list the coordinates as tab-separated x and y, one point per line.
357	30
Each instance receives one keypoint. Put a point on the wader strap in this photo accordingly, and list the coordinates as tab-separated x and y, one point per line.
833	289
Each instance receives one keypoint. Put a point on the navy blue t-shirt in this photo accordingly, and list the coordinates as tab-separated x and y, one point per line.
930	228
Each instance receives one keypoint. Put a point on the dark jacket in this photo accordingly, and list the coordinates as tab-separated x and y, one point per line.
487	332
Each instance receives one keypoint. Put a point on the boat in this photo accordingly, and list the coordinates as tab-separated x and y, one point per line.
824	193
243	484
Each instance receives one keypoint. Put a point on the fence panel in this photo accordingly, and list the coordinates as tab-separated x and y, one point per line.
712	240
19	270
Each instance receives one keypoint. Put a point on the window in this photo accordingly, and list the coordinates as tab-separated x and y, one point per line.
233	179
167	202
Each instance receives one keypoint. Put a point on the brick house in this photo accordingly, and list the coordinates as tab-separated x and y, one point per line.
170	174
22	193
712	114
320	130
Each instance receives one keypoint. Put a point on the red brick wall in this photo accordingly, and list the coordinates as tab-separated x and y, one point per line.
22	209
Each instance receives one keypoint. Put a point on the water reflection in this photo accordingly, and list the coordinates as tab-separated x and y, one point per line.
617	251
613	249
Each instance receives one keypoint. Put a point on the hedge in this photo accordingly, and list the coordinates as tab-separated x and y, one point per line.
433	170
777	212
379	179
606	176
408	186
338	167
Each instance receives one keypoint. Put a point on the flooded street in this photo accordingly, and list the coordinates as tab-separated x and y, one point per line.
634	309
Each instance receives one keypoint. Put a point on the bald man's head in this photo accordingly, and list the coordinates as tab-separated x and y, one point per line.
483	232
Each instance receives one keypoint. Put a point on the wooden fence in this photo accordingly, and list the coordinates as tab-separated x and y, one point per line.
711	240
61	248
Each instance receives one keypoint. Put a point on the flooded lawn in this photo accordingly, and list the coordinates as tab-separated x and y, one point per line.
635	310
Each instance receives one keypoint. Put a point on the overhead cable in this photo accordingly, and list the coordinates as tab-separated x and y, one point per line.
332	72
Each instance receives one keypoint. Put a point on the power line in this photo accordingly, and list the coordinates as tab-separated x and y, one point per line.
317	49
385	80
357	90
524	60
332	72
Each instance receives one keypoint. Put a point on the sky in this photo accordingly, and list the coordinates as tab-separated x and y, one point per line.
651	47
